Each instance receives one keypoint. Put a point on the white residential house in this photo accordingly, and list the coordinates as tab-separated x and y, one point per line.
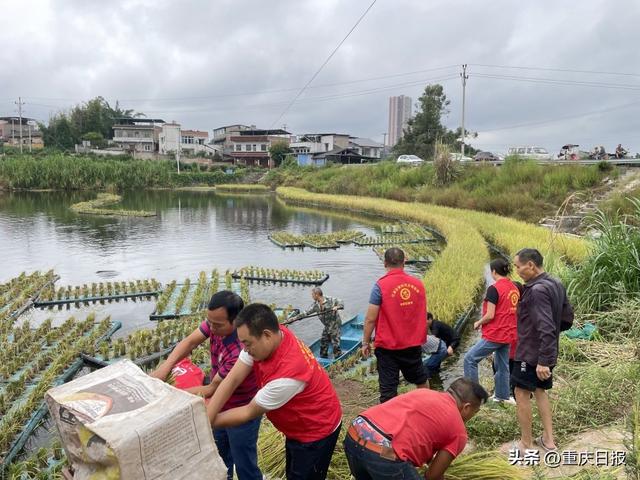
366	147
319	142
319	148
138	134
251	147
189	141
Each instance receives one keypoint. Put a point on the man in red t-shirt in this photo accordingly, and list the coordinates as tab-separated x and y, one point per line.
237	445
295	393
420	427
397	309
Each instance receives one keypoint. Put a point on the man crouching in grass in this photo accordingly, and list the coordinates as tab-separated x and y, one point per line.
420	427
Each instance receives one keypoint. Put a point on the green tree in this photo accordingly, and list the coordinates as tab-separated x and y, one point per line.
59	133
93	117
96	139
278	151
426	128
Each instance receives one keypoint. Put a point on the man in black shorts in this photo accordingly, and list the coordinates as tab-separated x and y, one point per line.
397	309
543	305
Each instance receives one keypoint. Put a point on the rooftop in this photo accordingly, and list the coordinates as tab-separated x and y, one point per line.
137	121
365	142
16	119
195	133
277	131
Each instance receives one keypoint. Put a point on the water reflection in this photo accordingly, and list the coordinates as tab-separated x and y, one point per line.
193	231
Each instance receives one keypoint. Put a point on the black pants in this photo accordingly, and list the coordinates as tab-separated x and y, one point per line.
392	362
310	460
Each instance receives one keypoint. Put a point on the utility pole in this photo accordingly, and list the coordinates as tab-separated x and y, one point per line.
464	77
30	143
20	103
178	150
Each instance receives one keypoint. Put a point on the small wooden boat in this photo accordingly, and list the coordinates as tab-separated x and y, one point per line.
350	341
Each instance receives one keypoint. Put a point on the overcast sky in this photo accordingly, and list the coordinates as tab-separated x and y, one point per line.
210	63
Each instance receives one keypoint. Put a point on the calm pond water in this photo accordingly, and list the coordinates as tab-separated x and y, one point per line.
193	231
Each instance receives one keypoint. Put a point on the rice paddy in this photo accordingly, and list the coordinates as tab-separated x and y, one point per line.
597	381
103	200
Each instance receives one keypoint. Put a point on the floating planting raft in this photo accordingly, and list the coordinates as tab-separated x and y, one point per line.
148	347
34	360
145	347
96	207
98	292
286	240
259	274
411	233
19	294
415	253
319	241
179	300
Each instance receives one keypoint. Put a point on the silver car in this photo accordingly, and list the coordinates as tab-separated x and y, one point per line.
410	159
532	152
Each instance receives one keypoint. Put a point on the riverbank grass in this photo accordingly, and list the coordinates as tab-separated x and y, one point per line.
242	188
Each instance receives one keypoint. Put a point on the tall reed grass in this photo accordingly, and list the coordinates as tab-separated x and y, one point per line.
612	271
65	172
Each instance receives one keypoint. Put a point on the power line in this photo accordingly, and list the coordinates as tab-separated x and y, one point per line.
550	69
313	77
559	119
338	96
559	81
263	92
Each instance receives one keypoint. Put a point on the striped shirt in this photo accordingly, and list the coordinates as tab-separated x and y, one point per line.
224	354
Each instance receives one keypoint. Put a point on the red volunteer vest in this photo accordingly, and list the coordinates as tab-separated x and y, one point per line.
315	412
402	319
502	329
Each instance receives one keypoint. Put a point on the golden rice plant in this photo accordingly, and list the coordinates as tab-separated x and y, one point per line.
241	187
511	235
456	275
488	465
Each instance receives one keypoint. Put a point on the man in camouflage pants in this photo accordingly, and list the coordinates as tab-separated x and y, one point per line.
327	308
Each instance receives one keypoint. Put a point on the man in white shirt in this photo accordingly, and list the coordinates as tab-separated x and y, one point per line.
295	393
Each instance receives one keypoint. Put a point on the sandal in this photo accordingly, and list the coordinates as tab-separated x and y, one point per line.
538	441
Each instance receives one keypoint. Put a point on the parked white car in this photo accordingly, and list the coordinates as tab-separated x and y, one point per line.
532	152
410	159
458	157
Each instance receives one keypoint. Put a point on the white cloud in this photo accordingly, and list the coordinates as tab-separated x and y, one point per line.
202	63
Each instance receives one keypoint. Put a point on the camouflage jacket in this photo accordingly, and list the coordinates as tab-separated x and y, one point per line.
330	316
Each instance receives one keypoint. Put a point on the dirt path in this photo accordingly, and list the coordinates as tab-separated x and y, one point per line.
601	452
570	217
354	396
